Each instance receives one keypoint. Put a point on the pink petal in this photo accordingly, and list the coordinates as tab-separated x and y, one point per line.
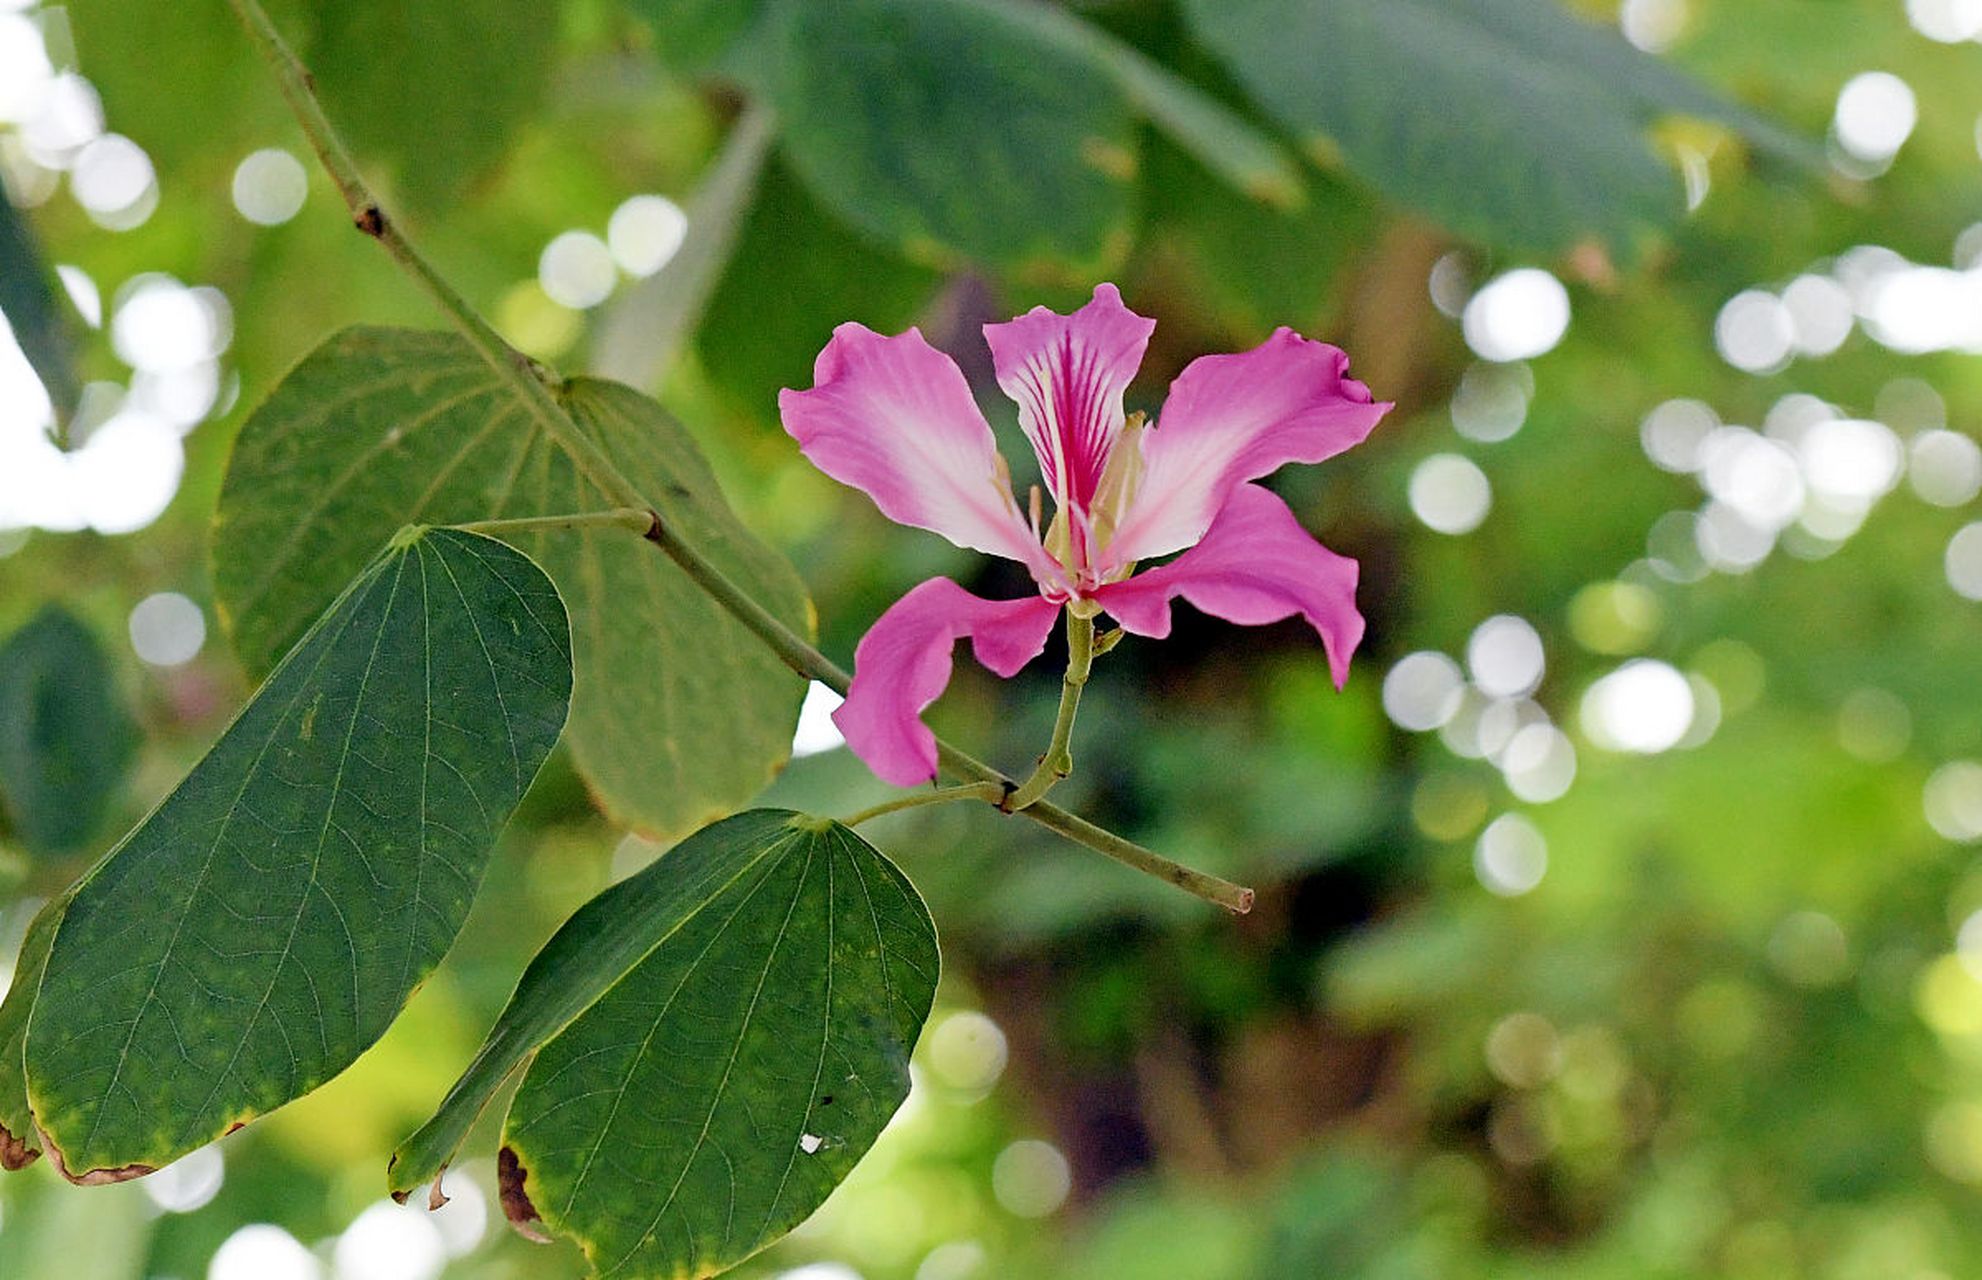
1234	418
1067	374
894	418
903	664
1254	566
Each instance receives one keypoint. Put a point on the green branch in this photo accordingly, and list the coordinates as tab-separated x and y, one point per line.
533	385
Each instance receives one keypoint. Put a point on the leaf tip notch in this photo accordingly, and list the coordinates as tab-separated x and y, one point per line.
407	536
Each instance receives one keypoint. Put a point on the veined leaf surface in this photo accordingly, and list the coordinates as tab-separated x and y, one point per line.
679	713
267	922
712	1044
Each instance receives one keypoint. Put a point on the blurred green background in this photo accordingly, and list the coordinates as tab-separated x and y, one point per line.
1618	920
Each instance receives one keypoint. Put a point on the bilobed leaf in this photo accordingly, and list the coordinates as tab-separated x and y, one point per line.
952	130
679	713
269	919
711	1044
66	738
1507	120
435	86
27	300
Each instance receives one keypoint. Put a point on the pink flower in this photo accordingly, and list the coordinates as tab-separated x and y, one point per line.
894	418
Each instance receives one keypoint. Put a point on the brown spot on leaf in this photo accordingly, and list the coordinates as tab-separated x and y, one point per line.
516	1206
435	1199
399	1197
371	221
16	1153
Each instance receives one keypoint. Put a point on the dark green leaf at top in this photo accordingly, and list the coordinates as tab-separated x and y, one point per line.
694	35
267	922
712	1045
1509	121
66	738
679	713
796	273
437	87
952	131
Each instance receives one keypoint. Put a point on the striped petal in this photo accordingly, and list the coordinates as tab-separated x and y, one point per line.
1067	374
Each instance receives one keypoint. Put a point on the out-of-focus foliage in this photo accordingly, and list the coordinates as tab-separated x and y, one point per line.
27	300
66	738
1732	1030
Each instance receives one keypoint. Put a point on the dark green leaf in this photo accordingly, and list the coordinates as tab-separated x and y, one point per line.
693	35
796	273
679	713
1221	140
27	300
953	131
268	920
66	739
218	97
722	1038
436	87
1507	120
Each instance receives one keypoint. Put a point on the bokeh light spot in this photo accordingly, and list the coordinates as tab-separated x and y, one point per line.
1876	112
1953	801
967	1051
1645	706
1964	561
1031	1178
270	186
645	233
1422	691
1517	316
1523	1050
1944	467
263	1251
188	1183
1504	655
577	271
1511	857
1673	434
1450	493
390	1242
113	180
1754	331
